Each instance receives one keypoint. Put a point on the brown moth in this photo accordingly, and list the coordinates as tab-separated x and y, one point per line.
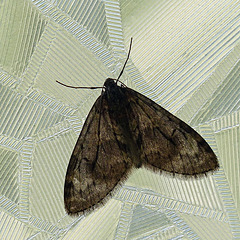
126	130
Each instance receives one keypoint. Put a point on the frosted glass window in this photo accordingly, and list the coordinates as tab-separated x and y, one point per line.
185	57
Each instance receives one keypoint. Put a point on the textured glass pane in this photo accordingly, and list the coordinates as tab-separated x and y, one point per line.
185	57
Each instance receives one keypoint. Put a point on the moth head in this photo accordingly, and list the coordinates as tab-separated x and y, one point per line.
109	83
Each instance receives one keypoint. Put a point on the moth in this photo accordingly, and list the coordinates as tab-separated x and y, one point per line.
126	130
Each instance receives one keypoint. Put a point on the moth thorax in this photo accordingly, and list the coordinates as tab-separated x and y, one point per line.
114	94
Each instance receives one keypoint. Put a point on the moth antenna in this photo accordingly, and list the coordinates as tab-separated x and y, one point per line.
77	87
126	60
65	85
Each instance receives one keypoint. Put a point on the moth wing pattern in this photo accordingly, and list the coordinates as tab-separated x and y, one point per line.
91	176
165	142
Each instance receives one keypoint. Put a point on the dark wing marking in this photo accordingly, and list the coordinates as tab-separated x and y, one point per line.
167	143
98	162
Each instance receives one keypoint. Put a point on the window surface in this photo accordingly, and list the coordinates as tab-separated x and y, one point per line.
185	57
